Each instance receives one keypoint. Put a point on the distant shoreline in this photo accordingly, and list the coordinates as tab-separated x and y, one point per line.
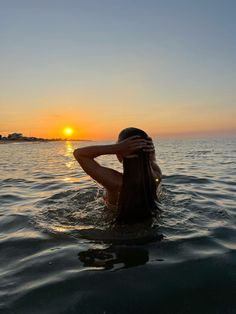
41	141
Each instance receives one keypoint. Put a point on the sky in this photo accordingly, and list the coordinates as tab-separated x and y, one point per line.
166	66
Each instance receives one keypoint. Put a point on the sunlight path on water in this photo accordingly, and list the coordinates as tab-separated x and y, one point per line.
62	253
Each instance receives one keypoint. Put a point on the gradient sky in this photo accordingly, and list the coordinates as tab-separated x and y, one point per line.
167	66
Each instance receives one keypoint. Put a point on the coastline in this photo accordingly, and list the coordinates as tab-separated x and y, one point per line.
42	141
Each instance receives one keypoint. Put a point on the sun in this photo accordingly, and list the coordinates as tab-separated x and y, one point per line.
68	131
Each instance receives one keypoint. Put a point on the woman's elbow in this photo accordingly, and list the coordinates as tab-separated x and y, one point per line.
76	154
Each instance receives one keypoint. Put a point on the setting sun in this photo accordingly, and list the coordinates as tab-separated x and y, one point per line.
68	131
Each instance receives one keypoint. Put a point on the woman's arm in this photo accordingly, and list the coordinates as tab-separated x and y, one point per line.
96	150
109	178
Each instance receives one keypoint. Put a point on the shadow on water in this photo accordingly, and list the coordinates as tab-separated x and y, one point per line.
114	257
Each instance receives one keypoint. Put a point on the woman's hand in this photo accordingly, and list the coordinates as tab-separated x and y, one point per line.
131	145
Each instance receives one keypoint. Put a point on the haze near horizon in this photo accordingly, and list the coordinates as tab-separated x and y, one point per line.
99	66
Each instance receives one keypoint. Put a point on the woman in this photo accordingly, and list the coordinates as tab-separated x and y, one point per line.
134	193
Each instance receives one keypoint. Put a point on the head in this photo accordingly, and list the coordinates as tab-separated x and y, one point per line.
138	199
125	133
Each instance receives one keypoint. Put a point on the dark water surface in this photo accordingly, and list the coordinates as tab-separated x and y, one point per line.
59	252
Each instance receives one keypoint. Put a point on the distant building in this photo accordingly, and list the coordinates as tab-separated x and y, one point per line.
15	136
0	136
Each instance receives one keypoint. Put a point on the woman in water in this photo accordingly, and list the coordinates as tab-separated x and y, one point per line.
134	193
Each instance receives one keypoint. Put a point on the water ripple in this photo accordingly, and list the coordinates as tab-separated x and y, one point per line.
61	252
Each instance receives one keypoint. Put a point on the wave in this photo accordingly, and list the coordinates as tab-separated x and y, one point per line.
81	213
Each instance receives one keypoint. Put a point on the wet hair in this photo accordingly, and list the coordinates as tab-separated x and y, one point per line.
138	199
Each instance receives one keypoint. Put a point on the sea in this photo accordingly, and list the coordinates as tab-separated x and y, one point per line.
60	251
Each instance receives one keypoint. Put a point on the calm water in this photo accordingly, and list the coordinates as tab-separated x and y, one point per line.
59	252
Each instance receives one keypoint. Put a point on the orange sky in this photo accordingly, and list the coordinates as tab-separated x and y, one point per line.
102	66
94	118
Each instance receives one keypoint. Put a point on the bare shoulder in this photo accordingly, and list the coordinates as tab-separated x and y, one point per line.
117	177
111	179
113	172
111	193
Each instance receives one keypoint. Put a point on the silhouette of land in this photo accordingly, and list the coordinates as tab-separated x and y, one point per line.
19	137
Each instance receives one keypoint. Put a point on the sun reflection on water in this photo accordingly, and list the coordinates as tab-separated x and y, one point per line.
69	154
69	148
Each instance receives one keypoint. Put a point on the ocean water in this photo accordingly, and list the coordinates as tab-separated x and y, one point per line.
59	252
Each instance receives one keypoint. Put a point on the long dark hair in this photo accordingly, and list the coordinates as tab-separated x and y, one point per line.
138	199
